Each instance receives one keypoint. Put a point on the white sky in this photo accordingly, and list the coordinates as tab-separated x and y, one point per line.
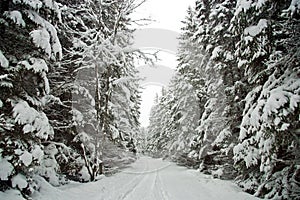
167	14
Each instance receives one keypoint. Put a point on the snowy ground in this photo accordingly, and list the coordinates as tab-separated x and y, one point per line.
148	179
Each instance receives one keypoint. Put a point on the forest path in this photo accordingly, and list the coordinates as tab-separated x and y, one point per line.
150	179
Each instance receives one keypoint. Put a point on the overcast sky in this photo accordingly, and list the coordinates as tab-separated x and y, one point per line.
167	14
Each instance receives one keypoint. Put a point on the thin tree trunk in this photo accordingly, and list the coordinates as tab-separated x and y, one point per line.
99	133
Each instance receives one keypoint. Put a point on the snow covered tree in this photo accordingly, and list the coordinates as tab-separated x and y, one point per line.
206	55
241	58
142	140
62	133
268	53
159	116
184	119
29	48
173	121
125	106
96	37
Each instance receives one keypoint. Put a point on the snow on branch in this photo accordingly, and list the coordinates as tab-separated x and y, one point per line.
41	38
16	17
35	64
3	61
34	4
85	92
51	39
36	121
267	106
6	169
294	7
257	29
53	6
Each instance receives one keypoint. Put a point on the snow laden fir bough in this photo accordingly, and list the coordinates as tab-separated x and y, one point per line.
26	109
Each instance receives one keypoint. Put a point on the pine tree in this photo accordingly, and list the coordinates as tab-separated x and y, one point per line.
184	118
159	117
267	137
29	49
213	65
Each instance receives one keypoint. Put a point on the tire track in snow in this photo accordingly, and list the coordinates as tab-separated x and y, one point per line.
162	188
125	189
157	186
153	186
152	178
132	188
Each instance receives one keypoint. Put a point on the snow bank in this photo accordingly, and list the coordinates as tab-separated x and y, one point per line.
11	195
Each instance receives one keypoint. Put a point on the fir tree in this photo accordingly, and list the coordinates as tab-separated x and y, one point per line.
29	49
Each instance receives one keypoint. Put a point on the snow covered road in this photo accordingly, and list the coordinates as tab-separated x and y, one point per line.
149	179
